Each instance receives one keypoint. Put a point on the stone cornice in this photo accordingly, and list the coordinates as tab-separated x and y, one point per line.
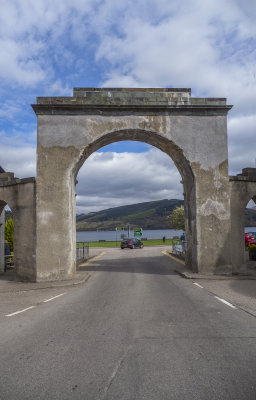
130	100
73	109
16	181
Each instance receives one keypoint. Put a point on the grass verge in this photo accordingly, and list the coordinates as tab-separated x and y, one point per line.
151	242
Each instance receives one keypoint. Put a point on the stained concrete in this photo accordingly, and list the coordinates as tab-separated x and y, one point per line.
2	222
192	131
19	195
242	190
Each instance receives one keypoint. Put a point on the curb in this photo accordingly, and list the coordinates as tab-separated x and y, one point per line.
183	274
246	275
48	285
188	275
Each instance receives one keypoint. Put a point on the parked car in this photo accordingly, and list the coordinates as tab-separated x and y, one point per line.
131	243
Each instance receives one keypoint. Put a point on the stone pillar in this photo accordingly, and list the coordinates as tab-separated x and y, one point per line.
213	221
242	190
24	235
19	194
56	228
2	223
203	139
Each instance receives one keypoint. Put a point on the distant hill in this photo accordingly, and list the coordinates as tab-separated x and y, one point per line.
149	215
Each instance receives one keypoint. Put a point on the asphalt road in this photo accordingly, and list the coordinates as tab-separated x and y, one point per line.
134	330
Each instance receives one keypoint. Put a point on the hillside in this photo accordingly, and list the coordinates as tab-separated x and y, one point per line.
148	215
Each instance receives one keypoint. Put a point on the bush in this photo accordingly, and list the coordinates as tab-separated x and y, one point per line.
177	218
8	235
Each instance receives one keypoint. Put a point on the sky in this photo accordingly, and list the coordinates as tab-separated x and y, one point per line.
49	47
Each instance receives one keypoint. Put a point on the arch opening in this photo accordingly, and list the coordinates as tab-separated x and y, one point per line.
7	238
149	137
178	158
250	232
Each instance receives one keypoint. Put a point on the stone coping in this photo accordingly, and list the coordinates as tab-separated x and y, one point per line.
95	89
124	99
242	178
16	181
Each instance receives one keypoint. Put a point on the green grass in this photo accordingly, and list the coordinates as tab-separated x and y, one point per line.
156	242
139	215
151	242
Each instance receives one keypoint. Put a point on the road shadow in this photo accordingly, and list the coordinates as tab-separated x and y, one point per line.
8	275
244	287
142	265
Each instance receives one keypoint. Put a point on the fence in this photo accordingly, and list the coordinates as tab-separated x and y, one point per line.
179	247
82	251
8	262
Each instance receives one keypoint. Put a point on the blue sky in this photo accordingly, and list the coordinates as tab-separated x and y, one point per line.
49	47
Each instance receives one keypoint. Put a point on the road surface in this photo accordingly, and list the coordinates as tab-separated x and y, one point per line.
135	330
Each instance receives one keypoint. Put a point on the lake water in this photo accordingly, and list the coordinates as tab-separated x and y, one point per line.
95	236
250	229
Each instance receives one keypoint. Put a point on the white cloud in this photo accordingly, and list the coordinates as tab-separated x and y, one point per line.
9	109
112	179
47	48
208	46
18	64
57	88
242	142
20	160
34	34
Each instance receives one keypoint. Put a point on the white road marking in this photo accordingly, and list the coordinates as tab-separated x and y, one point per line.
52	298
197	284
21	311
225	302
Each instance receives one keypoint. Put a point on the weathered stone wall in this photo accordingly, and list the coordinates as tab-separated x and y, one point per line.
242	190
1	239
192	131
19	194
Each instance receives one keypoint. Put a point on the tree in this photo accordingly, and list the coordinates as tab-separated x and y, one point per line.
9	233
177	218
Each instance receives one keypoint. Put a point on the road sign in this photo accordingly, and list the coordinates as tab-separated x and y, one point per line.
120	228
137	232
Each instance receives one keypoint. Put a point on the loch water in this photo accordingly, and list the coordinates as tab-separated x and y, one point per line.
95	236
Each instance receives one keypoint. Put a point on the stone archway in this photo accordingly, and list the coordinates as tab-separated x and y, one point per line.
19	195
192	131
180	161
242	190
